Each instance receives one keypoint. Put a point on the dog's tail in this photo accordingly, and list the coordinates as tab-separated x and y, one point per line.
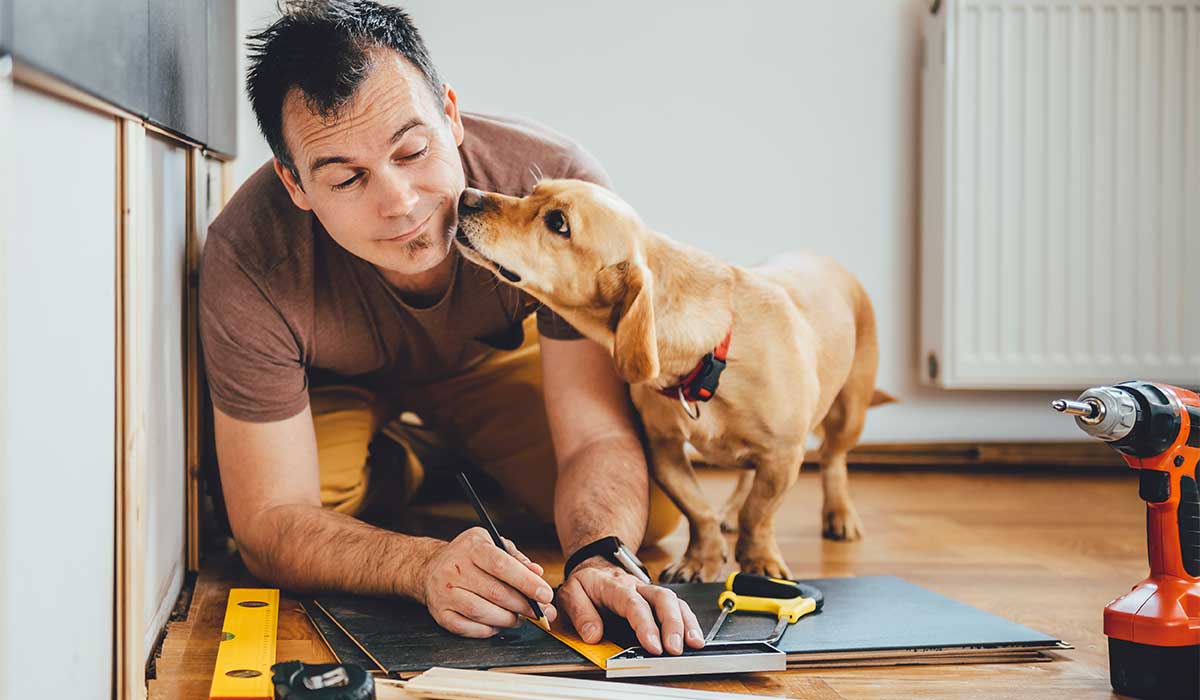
881	397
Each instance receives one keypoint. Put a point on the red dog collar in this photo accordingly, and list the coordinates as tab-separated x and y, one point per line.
701	383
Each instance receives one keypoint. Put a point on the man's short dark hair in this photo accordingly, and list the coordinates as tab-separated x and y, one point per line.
321	47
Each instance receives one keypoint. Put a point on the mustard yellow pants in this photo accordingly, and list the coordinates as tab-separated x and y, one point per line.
491	415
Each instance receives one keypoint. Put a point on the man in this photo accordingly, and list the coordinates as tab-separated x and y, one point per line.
332	298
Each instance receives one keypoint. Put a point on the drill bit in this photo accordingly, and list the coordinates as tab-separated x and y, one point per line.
1087	409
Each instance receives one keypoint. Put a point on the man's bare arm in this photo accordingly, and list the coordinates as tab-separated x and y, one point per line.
271	483
603	484
603	489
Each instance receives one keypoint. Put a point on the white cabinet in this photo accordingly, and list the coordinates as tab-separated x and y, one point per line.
57	398
98	219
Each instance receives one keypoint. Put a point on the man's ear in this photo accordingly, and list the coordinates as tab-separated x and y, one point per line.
635	343
299	198
450	106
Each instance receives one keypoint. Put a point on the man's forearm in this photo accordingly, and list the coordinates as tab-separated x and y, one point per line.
307	548
603	489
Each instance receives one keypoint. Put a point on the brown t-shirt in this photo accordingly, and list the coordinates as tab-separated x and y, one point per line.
282	305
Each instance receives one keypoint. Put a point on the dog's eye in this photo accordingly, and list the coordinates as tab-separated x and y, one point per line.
557	222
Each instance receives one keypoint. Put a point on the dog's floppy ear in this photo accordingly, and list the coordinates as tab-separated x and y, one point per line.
635	344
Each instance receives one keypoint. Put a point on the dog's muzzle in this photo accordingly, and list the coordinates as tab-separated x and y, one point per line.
470	202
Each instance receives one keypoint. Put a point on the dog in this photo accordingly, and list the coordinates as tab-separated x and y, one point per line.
799	334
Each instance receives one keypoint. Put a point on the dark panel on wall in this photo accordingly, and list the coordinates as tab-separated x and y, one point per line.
5	26
98	45
179	67
223	83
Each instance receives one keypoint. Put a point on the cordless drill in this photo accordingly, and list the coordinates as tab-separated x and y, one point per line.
1154	630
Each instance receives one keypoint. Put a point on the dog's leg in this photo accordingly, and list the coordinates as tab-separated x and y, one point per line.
729	514
757	552
707	551
843	425
839	519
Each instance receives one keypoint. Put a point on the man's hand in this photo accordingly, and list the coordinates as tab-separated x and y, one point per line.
598	582
472	588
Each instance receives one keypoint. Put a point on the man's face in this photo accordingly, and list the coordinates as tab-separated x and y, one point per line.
385	177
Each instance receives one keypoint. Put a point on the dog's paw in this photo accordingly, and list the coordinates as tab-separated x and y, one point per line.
692	569
729	523
842	524
762	558
770	566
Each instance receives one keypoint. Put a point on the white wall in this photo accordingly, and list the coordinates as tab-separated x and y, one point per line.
58	446
746	128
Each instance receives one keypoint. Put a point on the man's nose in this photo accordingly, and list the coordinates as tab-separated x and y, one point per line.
471	200
398	198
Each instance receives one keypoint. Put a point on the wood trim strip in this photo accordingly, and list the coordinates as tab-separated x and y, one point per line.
226	182
167	133
134	233
1050	454
37	79
44	82
119	569
191	389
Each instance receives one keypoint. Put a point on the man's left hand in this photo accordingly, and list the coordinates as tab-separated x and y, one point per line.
597	582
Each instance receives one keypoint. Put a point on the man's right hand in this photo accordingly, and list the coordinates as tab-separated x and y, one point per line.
472	588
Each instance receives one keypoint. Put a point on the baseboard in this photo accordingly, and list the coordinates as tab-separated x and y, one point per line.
1048	454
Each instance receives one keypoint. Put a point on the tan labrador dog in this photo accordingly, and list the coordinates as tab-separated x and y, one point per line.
802	354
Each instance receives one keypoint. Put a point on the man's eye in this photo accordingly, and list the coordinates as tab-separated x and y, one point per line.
347	184
418	154
557	222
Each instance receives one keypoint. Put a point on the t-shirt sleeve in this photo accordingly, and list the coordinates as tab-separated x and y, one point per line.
252	359
583	166
551	325
580	166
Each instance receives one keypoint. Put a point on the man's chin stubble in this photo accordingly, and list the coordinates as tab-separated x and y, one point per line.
425	241
417	245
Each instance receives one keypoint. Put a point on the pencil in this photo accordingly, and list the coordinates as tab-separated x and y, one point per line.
486	520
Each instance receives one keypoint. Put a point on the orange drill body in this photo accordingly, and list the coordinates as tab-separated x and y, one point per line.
1164	608
1154	629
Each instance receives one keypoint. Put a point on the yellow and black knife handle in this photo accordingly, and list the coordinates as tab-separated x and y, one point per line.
793	608
756	586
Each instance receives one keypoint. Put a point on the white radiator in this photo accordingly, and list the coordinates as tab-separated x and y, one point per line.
1060	213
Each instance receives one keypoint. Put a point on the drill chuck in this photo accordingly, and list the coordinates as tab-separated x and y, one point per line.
1104	412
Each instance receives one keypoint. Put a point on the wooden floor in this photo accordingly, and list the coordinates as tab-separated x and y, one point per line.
1045	550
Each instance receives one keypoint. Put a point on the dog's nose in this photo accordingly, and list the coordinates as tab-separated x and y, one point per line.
471	200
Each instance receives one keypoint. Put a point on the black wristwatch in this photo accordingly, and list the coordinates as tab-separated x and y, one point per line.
612	549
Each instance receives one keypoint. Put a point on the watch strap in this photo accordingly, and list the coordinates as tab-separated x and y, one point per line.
606	547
